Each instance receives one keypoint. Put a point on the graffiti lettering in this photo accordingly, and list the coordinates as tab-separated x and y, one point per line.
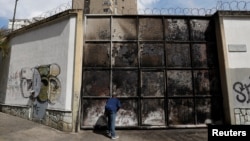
13	86
239	88
36	109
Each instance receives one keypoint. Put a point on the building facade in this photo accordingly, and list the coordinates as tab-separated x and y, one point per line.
168	71
106	6
19	23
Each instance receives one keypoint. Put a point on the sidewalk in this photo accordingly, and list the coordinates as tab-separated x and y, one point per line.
17	129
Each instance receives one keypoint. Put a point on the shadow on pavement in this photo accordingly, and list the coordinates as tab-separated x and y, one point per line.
100	126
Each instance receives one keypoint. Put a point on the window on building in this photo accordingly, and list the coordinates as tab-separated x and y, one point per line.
106	10
107	2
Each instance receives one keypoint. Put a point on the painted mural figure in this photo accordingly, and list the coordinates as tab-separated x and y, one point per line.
113	104
41	82
42	86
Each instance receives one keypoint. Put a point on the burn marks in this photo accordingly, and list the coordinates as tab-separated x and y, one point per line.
164	69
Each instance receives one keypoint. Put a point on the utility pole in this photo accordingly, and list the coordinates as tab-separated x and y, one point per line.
13	21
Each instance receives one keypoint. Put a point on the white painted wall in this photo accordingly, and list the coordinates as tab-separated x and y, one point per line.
237	32
45	45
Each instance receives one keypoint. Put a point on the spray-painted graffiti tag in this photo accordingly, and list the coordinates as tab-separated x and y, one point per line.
243	92
42	86
41	82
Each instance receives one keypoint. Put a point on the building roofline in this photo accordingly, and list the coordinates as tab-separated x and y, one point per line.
45	21
233	13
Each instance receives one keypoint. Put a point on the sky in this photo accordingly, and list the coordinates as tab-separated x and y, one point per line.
26	9
143	4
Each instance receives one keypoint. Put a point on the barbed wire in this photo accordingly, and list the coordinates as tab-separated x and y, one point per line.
220	6
59	9
177	11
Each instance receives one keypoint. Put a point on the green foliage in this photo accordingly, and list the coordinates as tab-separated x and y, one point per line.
4	47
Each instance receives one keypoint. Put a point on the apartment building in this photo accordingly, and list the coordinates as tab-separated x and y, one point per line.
106	6
19	23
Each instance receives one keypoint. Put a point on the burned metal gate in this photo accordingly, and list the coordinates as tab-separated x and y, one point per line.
163	68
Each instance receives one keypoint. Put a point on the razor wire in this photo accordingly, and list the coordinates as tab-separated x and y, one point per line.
44	15
220	6
57	10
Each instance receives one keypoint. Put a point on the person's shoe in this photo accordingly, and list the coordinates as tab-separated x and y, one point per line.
115	137
109	135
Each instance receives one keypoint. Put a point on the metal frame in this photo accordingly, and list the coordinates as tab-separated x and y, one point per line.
141	69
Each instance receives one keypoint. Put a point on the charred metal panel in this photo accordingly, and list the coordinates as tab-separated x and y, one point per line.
206	82
152	84
150	29
153	112
176	29
92	113
201	82
180	111
203	110
97	55
98	28
96	83
204	55
125	83
214	80
152	55
199	52
125	55
212	56
199	29
209	108
127	115
179	83
163	68
178	55
124	29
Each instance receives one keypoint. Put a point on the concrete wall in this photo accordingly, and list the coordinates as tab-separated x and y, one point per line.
4	65
37	79
238	49
235	44
43	47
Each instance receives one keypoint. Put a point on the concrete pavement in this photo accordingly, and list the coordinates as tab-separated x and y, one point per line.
13	128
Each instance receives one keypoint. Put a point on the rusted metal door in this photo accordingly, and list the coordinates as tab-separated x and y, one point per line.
163	68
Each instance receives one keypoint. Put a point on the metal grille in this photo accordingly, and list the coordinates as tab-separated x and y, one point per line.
163	68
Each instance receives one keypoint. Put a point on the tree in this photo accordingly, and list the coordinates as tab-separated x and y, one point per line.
4	41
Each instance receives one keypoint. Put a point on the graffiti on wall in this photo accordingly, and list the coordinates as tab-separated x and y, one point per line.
13	86
39	84
242	116
242	91
42	86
